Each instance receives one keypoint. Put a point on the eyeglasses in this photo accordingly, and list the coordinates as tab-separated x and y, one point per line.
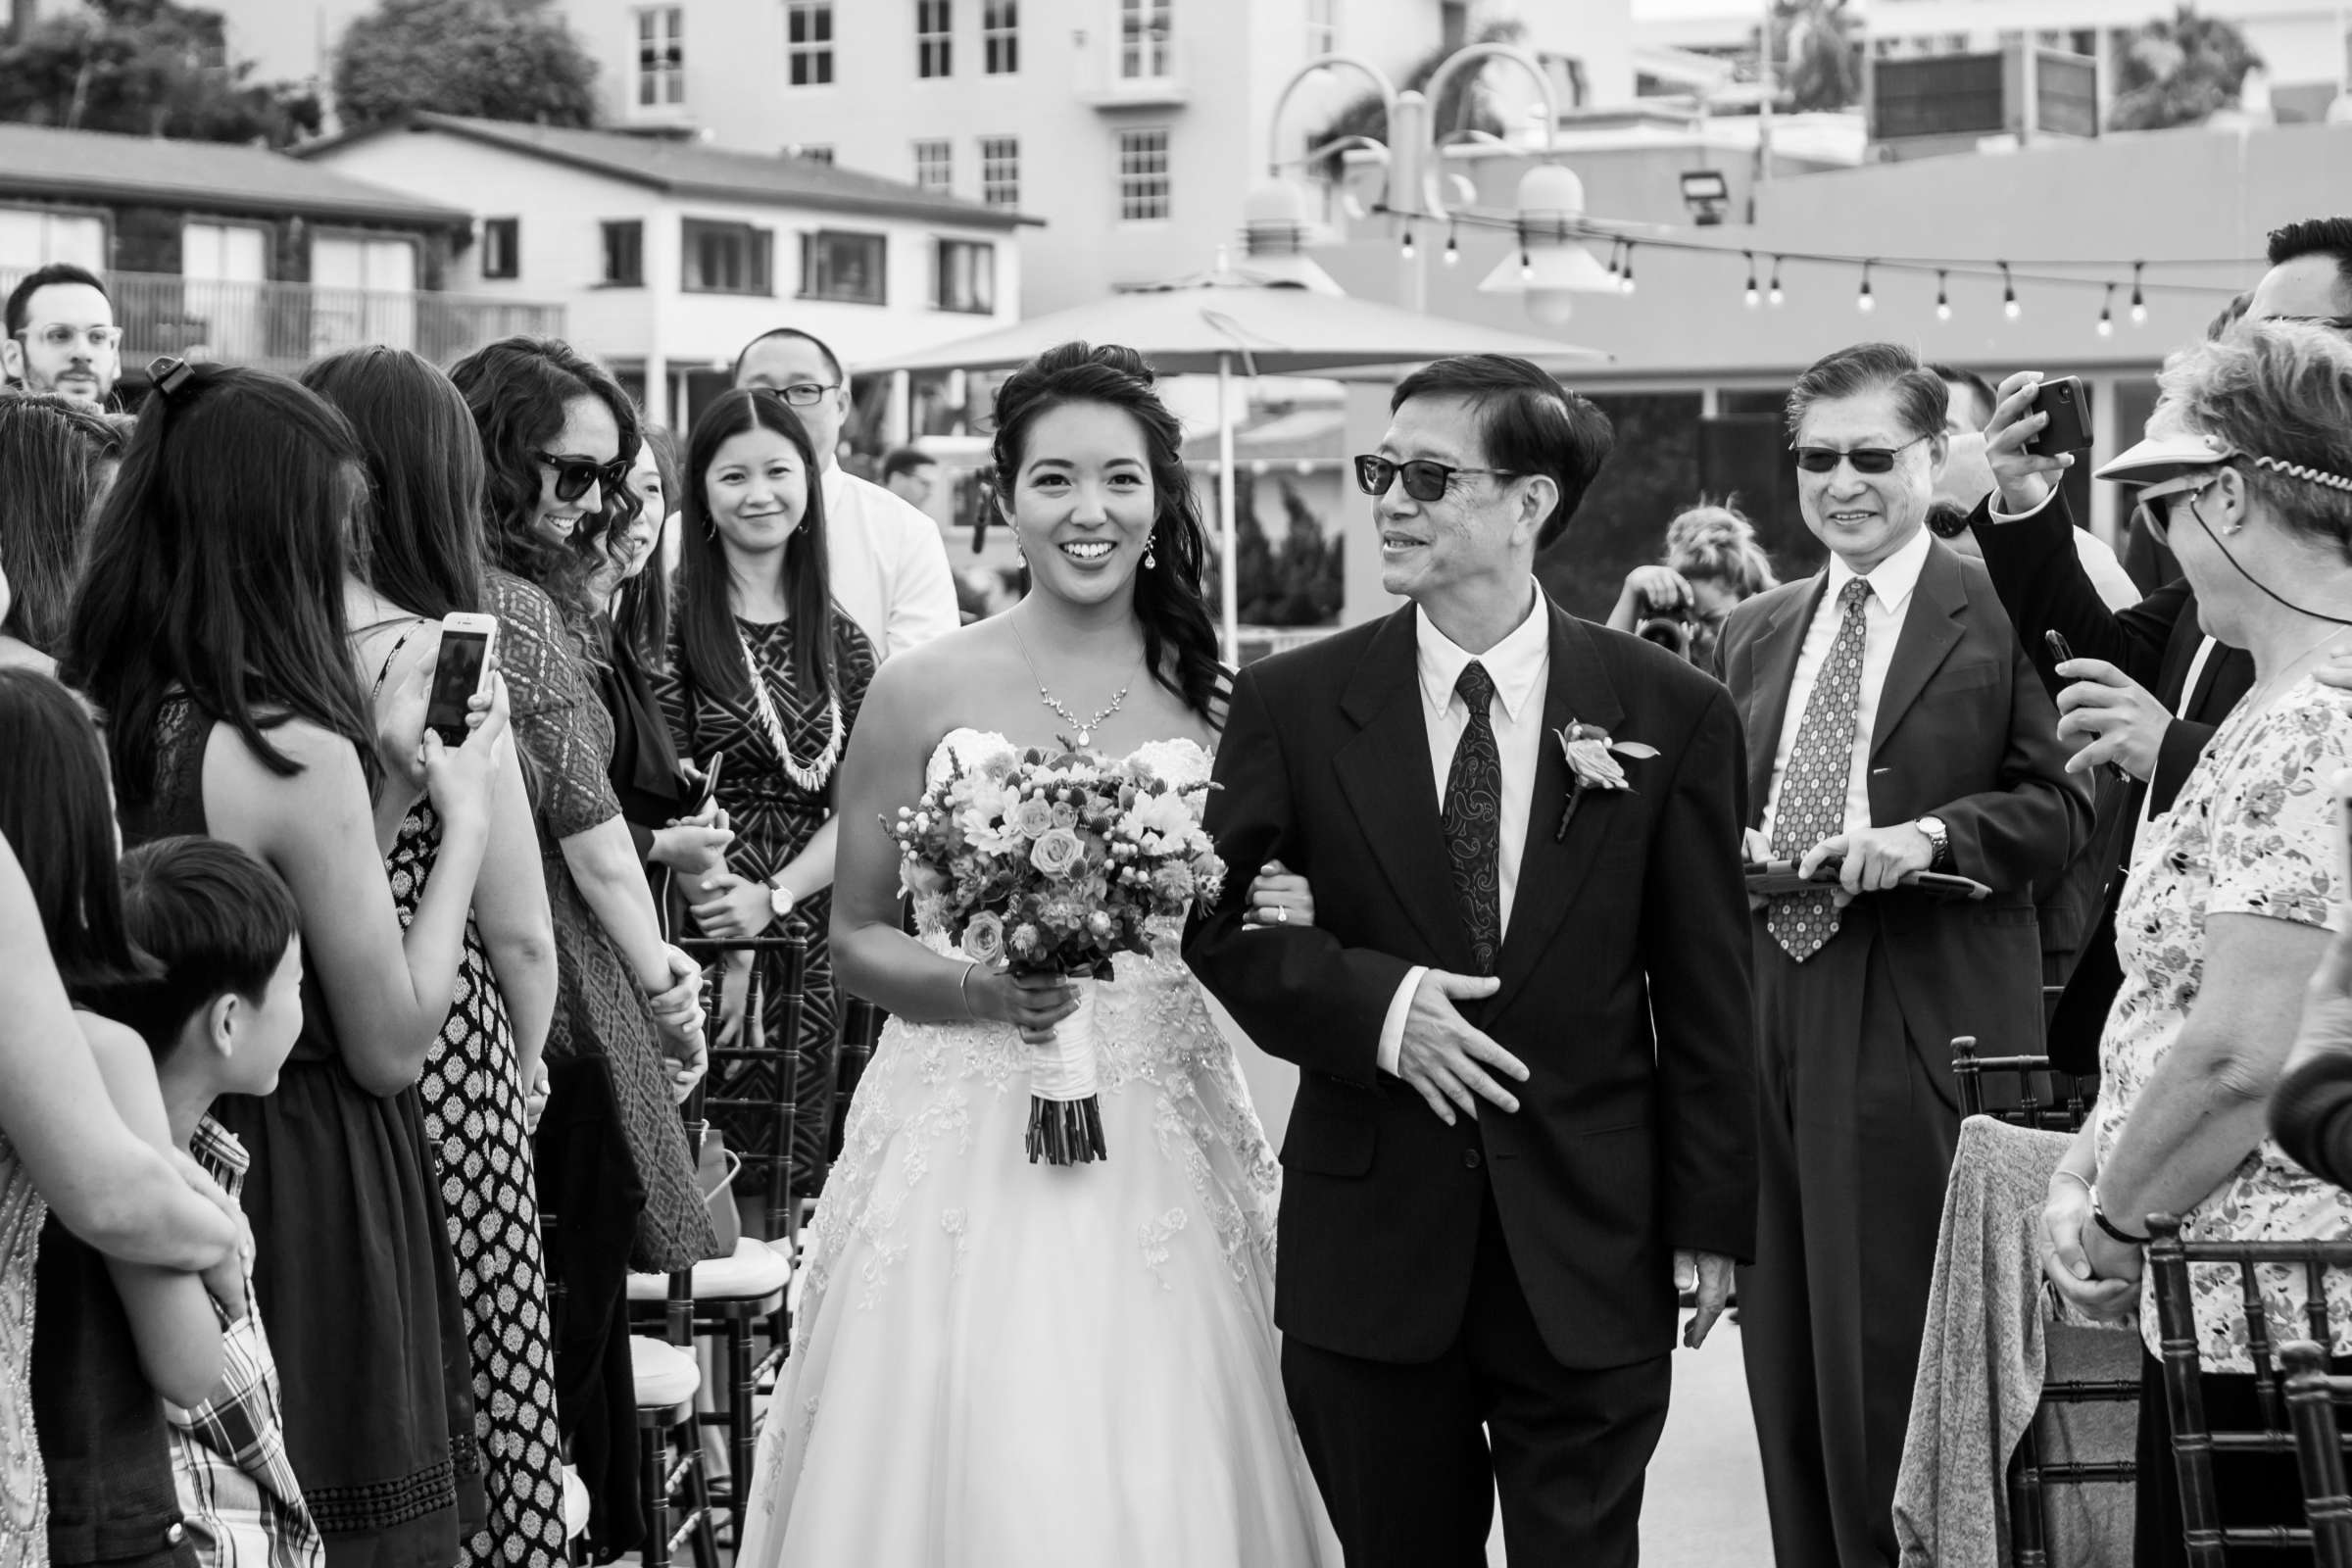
59	338
1424	481
1866	460
803	395
573	475
2157	520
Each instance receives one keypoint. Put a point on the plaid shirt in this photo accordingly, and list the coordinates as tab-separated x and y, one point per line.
243	1506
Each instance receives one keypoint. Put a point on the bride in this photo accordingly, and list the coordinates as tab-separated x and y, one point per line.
1001	1363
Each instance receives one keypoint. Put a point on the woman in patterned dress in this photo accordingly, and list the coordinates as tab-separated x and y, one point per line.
2248	468
626	1041
423	554
763	667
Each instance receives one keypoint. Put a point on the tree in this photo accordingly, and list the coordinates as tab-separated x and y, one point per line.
2179	73
1817	53
147	67
490	59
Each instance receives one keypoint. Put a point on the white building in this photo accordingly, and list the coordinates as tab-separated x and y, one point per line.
1135	129
2304	45
670	255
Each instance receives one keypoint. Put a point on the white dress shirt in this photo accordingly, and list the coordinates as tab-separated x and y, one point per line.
889	565
1892	584
1520	667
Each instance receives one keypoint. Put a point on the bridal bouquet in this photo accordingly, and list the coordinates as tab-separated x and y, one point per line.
1052	863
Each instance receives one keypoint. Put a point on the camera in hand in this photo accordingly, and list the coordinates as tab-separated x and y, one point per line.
1673	632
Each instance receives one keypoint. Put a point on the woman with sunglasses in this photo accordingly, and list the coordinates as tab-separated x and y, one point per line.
2247	467
558	437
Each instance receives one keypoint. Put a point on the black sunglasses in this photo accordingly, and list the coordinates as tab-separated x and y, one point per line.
1866	460
573	475
1424	481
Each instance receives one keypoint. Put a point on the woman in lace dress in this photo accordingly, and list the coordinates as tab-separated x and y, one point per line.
996	1362
2248	469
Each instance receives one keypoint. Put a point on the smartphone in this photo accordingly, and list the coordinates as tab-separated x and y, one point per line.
710	771
462	669
2059	649
2069	409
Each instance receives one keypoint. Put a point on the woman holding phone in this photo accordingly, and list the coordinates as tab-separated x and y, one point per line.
211	632
423	555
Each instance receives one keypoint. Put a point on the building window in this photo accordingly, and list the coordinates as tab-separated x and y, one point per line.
964	276
1143	174
624	254
1001	36
32	236
225	253
661	57
727	258
1001	171
934	23
816	152
935	166
1144	38
808	43
501	247
1322	27
845	266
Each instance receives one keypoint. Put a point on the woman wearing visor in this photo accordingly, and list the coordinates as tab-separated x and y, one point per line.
2247	471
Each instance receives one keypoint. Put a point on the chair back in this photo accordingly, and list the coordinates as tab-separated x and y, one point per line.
860	1031
778	1109
2312	1395
2024	1091
2194	1442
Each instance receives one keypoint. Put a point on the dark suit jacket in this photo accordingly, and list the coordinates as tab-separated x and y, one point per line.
1965	732
1624	989
2041	580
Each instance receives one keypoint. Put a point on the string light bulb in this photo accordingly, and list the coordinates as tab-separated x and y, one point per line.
2140	305
2009	306
2107	313
1615	246
1944	300
1774	294
1863	301
1453	247
1527	267
1408	242
1751	299
1625	278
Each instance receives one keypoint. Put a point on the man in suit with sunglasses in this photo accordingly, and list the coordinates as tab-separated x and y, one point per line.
2147	687
1526	1100
1893	726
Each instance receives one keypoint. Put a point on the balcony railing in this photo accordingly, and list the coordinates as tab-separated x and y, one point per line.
284	327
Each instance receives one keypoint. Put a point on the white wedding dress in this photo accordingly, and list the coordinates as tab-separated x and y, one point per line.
998	1363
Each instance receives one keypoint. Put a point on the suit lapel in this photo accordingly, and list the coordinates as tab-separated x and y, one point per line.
1578	690
1385	773
1776	652
1932	628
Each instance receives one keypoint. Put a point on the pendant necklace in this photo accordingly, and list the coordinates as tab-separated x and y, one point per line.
811	777
1086	728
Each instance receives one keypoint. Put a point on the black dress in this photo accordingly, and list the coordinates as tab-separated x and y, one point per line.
353	1269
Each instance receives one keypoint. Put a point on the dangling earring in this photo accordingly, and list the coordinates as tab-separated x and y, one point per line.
1150	561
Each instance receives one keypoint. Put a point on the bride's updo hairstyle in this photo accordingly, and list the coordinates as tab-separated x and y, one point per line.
1180	638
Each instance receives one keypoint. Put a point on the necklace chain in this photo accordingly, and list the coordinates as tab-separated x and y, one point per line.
810	778
1085	728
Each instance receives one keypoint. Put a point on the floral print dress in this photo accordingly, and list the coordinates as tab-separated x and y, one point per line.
2255	831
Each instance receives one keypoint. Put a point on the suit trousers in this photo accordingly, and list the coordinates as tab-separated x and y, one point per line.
1858	1125
1409	1457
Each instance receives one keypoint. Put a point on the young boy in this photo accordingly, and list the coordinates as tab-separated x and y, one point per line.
219	1017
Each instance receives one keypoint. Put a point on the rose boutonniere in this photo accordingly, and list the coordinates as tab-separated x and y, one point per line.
1592	766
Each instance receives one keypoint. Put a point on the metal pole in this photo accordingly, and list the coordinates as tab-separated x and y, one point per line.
1764	100
1228	579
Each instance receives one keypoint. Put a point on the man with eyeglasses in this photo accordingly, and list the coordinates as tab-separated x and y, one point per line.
2147	687
1894	727
62	336
889	565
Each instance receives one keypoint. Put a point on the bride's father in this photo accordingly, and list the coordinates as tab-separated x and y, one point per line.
1527	1100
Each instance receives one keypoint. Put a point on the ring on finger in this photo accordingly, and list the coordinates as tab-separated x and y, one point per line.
1282	915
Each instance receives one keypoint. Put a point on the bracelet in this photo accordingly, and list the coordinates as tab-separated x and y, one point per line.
2076	1179
2098	1214
961	987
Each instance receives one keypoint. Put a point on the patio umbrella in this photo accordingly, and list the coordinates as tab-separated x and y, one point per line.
1226	320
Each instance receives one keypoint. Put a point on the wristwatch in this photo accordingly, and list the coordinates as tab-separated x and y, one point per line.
1940	840
779	899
